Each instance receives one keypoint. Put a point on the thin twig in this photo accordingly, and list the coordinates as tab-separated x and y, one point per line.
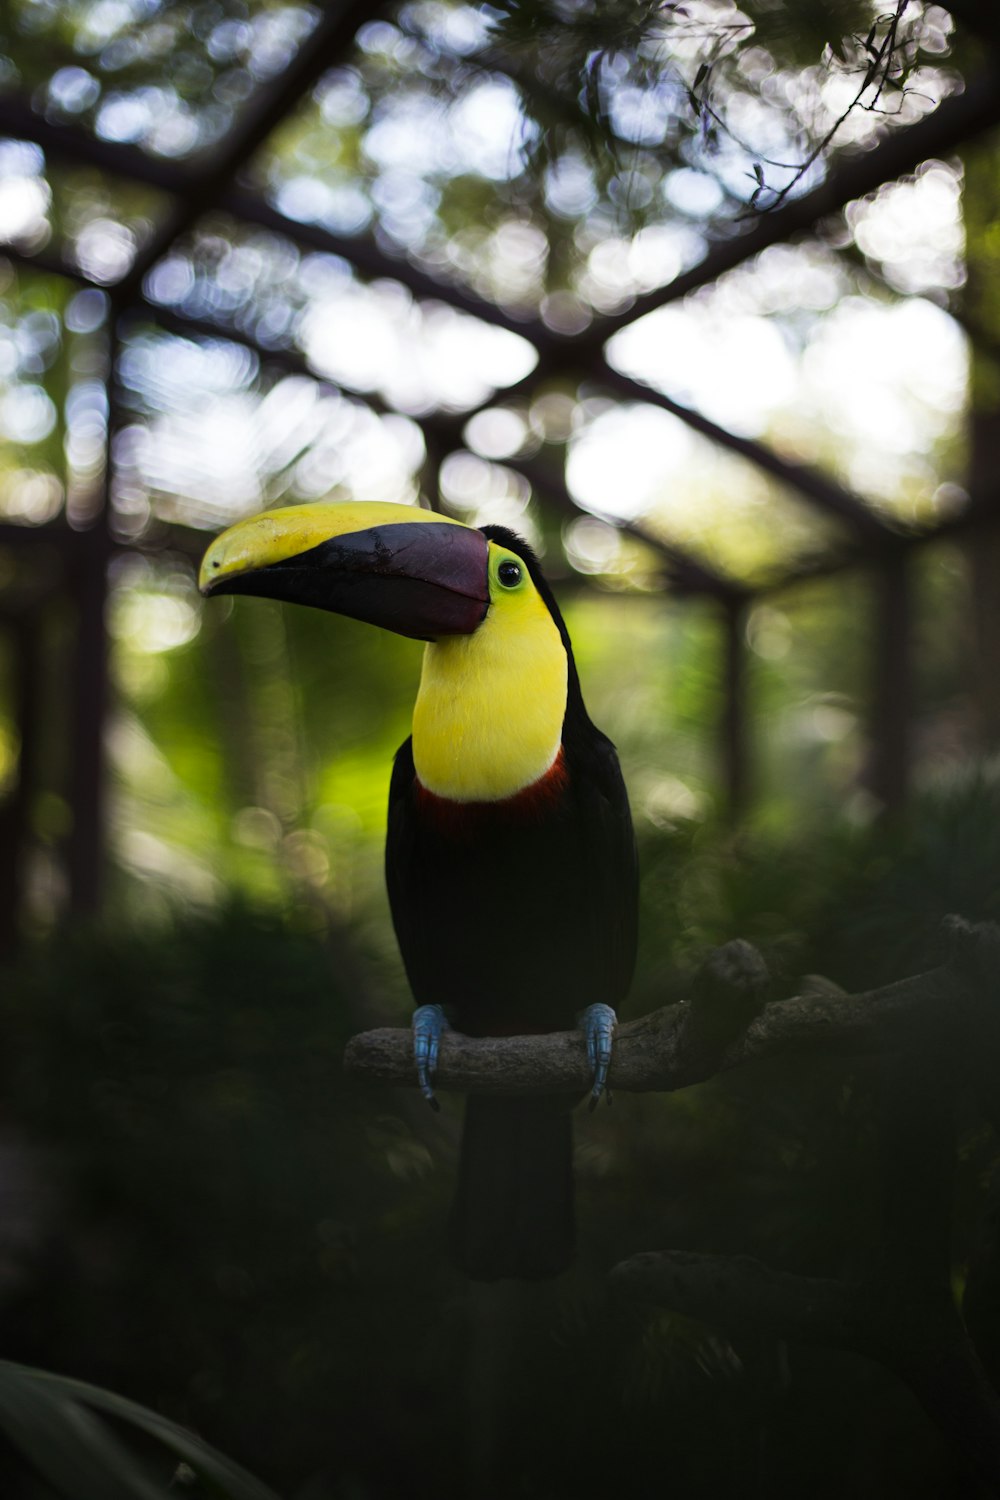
879	66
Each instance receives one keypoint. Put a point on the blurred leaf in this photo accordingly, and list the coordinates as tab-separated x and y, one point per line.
70	1448
73	1450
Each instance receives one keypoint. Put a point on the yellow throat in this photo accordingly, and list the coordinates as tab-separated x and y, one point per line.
489	712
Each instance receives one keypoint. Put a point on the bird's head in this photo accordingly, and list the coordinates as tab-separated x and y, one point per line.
498	684
411	571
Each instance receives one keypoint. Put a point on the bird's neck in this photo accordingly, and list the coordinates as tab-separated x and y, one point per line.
489	713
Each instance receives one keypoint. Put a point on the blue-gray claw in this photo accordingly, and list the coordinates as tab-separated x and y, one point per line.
429	1021
598	1023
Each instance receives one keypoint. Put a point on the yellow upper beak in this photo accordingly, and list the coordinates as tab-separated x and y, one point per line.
277	535
411	571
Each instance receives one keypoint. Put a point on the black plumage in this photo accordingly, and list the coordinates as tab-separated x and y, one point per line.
514	916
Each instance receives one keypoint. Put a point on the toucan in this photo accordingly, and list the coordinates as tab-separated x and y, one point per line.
510	858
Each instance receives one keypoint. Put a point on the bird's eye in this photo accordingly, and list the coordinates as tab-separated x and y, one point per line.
509	574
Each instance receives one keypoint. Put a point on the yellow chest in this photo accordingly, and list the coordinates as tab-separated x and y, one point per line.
489	713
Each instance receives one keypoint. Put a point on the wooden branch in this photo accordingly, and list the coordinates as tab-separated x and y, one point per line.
933	1031
666	1049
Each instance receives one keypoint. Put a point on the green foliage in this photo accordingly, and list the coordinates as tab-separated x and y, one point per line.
214	56
52	1421
702	59
226	1248
260	1253
981	299
861	905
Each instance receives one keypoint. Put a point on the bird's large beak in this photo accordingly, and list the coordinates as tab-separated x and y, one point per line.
408	570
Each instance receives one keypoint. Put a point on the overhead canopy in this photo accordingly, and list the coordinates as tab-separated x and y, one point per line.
538	268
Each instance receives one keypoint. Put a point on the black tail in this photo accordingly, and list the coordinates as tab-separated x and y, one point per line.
513	1213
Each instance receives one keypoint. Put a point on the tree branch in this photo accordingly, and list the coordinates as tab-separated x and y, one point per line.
934	1031
667	1049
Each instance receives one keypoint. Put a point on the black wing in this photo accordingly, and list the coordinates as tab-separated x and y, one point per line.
402	875
611	899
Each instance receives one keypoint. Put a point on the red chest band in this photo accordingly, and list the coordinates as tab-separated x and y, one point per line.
465	818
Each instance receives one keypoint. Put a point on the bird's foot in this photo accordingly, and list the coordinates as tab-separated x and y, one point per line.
429	1022
598	1024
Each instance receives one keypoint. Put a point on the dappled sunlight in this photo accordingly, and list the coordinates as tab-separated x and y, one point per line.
634	463
498	432
479	132
215	442
896	416
30	496
101	223
618	268
417	357
913	229
370	337
154	610
423	142
157	821
9	749
798	348
614	640
735	370
109	65
609	468
25	196
480	492
603	552
37	460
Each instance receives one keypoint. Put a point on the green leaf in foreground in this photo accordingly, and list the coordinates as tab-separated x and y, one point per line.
46	1417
